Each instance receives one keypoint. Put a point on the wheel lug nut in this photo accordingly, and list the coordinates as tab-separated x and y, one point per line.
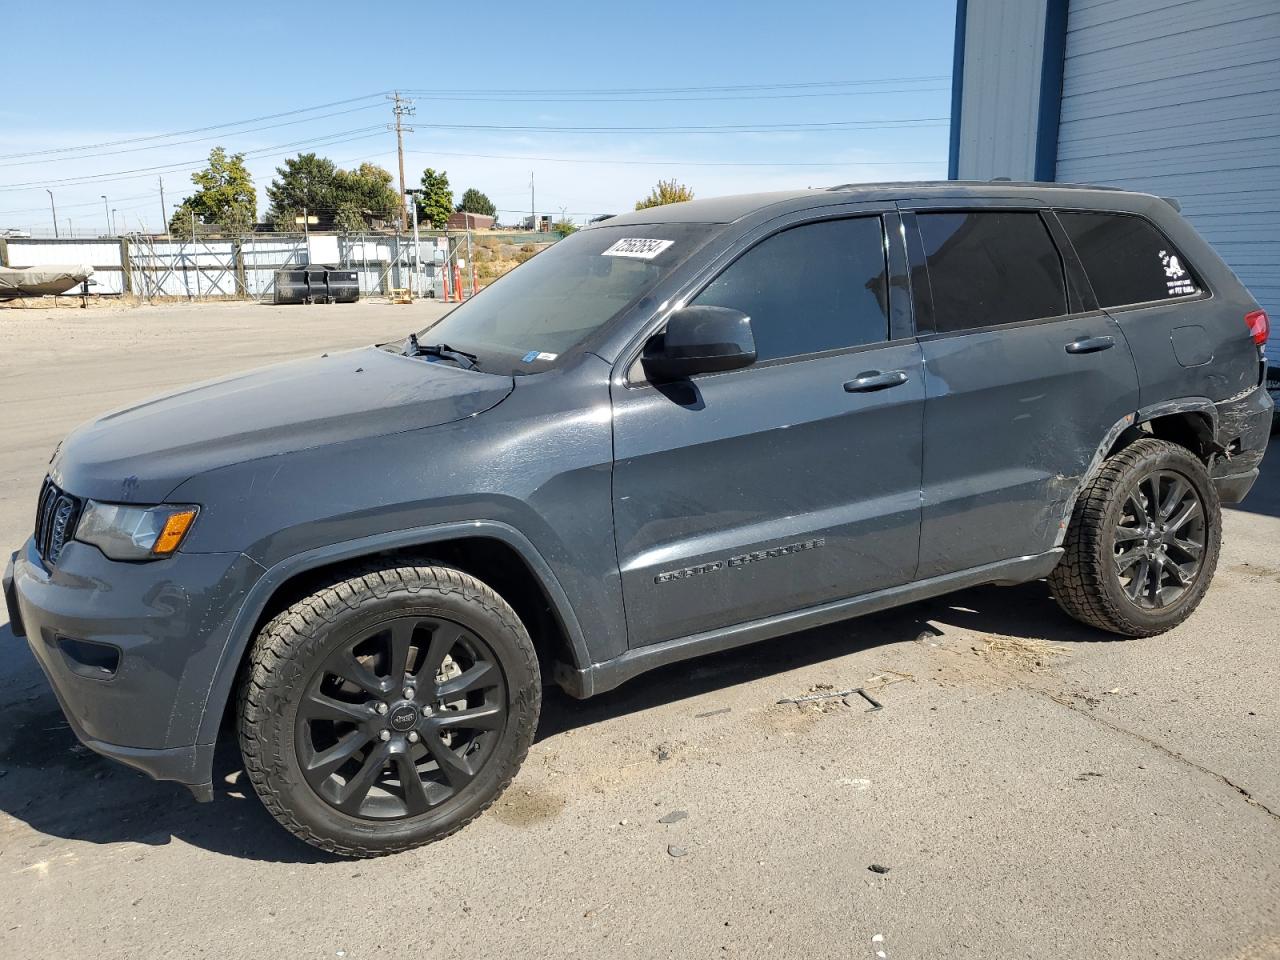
408	693
413	736
384	735
381	708
426	711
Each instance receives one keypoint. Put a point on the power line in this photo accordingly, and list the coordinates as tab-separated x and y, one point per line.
179	143
182	133
797	127
685	163
815	88
726	88
197	164
685	98
68	206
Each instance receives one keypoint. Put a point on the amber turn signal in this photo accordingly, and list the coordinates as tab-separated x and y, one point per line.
175	528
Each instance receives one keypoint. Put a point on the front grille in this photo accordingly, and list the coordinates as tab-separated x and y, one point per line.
56	518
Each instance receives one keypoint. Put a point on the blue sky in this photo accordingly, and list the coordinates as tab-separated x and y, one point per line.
146	70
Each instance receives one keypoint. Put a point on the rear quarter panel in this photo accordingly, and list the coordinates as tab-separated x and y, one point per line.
1193	347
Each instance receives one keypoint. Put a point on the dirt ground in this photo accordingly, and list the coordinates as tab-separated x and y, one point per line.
1031	788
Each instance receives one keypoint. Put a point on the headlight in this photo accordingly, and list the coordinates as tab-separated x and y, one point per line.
125	532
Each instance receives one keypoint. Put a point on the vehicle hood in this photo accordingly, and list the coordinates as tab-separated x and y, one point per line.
141	453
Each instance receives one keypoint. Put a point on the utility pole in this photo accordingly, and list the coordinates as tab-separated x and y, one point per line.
55	212
163	219
402	107
107	210
533	207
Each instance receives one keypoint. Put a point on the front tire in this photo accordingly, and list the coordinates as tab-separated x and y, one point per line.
1143	541
388	710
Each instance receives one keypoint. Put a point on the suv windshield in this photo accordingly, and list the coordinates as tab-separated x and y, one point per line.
524	321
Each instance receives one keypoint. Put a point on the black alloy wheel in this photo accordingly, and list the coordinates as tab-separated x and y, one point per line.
1143	542
1160	539
388	709
400	718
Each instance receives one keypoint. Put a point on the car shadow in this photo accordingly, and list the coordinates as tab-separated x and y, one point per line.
60	788
1026	611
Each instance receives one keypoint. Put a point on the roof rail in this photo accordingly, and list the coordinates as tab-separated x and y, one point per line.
1003	181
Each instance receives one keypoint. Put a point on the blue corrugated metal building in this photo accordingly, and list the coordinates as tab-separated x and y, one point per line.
1180	99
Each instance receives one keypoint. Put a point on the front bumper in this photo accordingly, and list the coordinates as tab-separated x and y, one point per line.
1244	427
163	628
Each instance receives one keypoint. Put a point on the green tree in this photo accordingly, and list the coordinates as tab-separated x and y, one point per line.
351	198
364	194
473	201
435	203
565	227
224	197
667	191
305	182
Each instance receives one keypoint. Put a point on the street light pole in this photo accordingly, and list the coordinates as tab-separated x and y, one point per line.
106	208
417	247
54	210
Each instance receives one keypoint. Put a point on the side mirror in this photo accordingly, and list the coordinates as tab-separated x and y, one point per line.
700	340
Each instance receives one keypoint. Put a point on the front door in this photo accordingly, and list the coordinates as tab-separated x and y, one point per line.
788	483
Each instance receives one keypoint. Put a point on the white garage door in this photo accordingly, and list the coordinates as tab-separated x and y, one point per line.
1183	100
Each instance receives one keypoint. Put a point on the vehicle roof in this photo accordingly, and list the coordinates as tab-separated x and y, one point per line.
731	208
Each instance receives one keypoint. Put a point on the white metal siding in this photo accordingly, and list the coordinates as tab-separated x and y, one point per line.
102	255
1183	100
1000	97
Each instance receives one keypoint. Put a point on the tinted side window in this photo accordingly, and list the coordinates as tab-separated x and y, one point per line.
1127	259
820	286
990	267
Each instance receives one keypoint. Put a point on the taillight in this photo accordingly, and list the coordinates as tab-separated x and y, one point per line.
1259	326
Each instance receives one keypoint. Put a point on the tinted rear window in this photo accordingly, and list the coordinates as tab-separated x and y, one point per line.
1127	259
991	267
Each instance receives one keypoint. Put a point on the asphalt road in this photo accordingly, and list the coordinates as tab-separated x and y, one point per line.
1035	789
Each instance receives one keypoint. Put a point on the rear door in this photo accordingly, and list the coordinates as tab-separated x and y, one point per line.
759	491
1023	379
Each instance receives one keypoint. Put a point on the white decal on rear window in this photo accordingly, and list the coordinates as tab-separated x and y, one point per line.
1178	283
637	248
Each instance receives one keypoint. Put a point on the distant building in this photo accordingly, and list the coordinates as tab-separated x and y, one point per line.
469	221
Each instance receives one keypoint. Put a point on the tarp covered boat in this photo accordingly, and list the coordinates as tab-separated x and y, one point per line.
42	281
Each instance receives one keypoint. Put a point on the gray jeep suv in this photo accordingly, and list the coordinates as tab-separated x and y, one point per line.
677	431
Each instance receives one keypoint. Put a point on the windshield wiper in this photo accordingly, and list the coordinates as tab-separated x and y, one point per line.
441	351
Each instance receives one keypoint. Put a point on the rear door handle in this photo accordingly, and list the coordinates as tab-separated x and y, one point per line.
875	380
1091	344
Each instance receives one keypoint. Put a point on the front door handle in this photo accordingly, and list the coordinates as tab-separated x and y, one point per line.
1091	344
875	380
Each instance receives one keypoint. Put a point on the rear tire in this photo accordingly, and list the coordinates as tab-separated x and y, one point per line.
1133	568
388	710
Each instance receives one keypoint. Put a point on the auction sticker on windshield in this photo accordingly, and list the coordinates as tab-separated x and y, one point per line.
637	248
